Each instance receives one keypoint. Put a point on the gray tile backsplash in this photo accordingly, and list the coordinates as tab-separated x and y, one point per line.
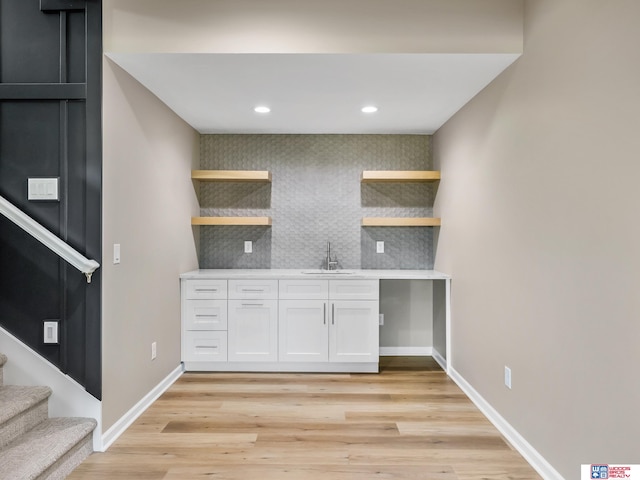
316	196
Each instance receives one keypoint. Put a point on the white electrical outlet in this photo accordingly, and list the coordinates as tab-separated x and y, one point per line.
507	377
51	331
379	247
116	253
154	351
248	246
381	319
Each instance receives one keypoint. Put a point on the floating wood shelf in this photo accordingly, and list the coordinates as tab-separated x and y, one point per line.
231	175
400	222
260	221
398	176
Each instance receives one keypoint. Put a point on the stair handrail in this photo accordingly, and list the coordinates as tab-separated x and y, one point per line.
48	239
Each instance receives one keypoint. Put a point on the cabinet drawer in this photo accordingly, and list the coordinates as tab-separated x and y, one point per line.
253	289
204	346
205	289
205	315
354	289
303	289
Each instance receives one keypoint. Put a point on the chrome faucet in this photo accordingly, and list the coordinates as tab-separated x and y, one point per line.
331	265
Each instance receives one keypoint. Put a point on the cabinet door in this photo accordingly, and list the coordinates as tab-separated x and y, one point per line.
353	332
303	331
253	330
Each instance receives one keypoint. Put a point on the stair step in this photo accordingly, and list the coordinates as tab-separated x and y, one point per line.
21	409
50	451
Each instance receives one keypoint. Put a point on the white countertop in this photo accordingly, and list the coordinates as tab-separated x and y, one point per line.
299	273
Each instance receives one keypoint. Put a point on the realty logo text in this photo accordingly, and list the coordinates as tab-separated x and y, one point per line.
610	471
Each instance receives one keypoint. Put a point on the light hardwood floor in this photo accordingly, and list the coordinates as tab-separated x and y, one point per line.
409	422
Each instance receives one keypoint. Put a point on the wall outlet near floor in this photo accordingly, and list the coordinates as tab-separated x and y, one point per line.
507	377
248	246
154	350
51	332
379	247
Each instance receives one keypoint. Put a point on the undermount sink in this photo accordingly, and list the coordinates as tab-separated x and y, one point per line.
328	272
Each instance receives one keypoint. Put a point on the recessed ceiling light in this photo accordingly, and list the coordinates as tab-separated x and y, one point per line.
262	109
369	109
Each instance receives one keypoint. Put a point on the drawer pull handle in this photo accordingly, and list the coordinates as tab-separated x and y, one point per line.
207	347
324	313
253	304
206	289
333	314
202	315
253	290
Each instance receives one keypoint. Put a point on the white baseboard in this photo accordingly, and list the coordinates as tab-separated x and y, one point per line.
525	449
405	351
118	428
440	359
68	398
280	367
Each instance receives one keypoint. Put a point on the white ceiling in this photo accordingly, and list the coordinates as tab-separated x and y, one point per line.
314	93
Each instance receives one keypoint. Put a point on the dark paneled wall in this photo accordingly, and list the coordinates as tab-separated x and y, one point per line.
50	94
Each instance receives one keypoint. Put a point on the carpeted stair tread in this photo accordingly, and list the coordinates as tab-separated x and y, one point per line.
36	451
16	399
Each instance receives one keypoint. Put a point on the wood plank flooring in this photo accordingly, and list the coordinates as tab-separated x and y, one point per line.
410	422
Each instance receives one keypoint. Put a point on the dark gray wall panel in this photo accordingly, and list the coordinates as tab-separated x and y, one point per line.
50	126
29	43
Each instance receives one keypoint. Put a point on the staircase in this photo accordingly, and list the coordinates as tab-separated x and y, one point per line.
32	445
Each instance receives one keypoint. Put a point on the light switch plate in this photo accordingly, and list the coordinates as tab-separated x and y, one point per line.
43	189
379	247
248	246
116	253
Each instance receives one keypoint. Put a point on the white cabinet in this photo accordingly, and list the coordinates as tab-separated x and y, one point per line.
205	289
204	321
303	331
303	324
316	289
253	321
253	289
205	315
354	332
204	346
324	327
354	289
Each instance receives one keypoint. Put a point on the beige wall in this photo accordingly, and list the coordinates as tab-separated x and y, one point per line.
540	201
148	199
304	26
